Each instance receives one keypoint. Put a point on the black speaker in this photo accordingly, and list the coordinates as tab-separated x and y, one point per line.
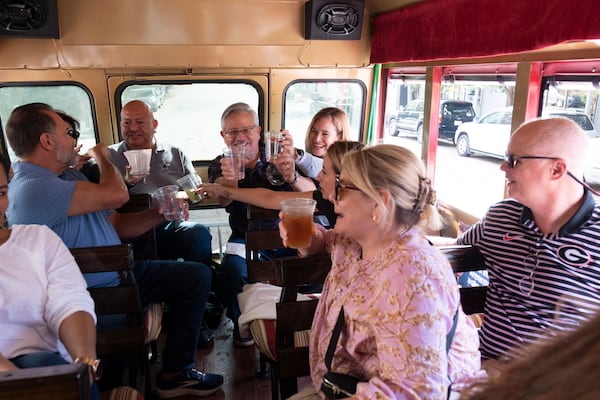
29	18
333	20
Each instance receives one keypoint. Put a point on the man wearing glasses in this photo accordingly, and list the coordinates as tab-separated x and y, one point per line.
542	245
240	127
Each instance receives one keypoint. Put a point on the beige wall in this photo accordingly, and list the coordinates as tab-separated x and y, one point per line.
183	34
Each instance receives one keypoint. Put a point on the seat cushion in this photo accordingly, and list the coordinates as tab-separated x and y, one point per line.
263	333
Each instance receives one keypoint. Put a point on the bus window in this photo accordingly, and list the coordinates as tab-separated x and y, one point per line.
303	99
474	109
189	113
71	98
577	98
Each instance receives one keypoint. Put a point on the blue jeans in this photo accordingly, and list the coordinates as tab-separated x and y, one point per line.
233	275
183	286
45	359
184	239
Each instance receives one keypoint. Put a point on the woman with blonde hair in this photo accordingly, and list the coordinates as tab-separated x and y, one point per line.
399	295
265	198
327	126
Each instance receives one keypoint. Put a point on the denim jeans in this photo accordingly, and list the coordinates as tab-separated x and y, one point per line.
183	286
184	239
45	359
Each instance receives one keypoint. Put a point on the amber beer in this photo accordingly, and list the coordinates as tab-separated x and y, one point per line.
299	230
298	220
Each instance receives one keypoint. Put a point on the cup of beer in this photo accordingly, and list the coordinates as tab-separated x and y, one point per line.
298	220
190	183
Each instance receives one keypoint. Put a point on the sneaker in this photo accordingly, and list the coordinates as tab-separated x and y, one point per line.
190	381
240	341
206	337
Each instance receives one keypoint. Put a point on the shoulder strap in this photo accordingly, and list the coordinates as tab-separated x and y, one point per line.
450	334
334	339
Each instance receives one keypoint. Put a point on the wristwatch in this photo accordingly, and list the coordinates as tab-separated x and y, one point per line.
94	364
296	176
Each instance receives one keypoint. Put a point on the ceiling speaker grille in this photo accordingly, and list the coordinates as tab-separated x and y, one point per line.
29	18
333	20
338	19
21	16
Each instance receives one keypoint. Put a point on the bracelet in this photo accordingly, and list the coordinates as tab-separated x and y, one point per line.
94	364
296	177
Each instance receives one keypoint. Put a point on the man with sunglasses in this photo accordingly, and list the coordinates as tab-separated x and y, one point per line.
542	244
46	190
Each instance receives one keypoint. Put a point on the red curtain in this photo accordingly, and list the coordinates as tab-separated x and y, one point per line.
442	29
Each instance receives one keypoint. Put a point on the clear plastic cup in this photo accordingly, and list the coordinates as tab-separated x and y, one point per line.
189	183
166	196
236	155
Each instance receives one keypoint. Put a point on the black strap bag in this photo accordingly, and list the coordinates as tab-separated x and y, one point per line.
335	385
340	386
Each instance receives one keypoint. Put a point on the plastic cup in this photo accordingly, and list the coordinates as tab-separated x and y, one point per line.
236	155
298	220
272	145
139	160
166	196
190	183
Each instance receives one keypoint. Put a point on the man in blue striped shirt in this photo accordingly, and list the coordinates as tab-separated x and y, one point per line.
542	245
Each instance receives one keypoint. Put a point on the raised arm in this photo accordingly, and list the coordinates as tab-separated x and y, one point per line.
109	193
259	197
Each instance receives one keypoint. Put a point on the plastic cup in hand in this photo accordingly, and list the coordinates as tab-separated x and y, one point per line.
272	145
139	161
190	183
298	221
272	149
166	196
235	153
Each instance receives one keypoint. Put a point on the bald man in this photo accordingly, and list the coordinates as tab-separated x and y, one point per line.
542	245
185	240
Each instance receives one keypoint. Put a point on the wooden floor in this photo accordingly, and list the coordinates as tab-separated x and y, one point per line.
237	365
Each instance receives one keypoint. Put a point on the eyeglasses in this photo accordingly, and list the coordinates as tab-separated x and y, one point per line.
245	131
512	160
73	133
339	187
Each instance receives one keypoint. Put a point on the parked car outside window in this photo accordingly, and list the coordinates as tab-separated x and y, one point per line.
452	114
579	118
489	135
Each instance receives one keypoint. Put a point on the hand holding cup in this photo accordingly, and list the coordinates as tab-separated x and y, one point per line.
296	226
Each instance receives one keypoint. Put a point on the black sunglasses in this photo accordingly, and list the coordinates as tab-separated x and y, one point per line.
73	133
340	186
512	160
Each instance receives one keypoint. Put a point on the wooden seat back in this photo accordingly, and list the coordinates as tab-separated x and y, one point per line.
58	382
124	300
266	271
464	259
120	308
294	317
144	246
